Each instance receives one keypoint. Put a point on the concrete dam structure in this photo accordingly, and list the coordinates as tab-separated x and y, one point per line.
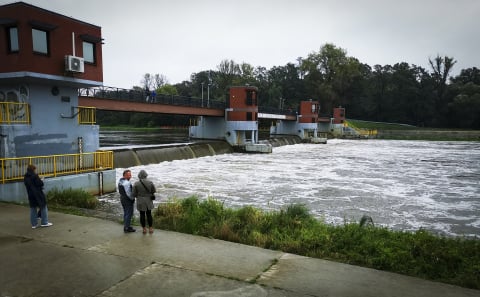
153	154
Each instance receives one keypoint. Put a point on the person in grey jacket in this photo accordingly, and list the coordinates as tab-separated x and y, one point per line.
143	189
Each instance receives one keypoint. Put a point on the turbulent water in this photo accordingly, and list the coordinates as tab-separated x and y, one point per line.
404	185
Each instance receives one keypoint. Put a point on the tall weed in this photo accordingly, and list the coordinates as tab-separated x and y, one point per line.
72	197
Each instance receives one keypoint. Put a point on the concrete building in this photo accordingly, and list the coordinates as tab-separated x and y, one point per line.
45	57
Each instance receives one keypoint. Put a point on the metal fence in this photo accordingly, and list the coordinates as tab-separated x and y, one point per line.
14	113
86	115
13	169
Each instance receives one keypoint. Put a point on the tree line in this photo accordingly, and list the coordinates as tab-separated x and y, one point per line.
399	93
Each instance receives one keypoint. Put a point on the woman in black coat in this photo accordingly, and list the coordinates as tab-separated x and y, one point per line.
36	198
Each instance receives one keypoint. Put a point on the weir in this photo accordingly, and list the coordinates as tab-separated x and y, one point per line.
154	154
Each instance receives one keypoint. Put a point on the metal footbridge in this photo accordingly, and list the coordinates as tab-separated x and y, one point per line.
137	100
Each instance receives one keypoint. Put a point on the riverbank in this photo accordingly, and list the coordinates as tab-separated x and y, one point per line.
84	250
396	131
294	230
430	134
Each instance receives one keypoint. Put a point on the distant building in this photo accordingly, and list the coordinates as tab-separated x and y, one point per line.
45	57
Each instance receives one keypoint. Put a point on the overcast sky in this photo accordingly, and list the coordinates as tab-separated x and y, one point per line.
179	37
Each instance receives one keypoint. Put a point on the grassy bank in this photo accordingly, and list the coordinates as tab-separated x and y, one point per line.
406	132
294	230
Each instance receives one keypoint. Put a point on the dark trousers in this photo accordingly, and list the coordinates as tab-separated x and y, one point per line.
149	218
127	205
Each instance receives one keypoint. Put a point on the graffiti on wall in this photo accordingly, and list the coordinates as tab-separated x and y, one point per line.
12	103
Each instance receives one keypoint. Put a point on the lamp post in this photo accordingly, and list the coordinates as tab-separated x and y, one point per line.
208	95
202	93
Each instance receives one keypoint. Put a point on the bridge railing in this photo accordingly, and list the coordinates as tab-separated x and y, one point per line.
138	95
274	110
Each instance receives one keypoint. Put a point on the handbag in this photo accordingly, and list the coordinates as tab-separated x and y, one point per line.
152	195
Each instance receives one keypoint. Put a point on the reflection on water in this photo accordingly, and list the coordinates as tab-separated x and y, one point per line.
159	136
405	185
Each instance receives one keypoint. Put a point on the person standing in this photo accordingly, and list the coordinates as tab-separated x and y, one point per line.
127	200
143	190
36	198
153	97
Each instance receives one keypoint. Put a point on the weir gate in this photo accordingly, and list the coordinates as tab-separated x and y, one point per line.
235	120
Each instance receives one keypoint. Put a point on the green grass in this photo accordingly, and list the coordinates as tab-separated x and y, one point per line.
71	198
294	230
406	132
380	125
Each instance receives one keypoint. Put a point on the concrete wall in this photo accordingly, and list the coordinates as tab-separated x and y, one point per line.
208	128
236	132
89	182
54	129
302	130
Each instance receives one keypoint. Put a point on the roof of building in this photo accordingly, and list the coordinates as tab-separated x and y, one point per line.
21	3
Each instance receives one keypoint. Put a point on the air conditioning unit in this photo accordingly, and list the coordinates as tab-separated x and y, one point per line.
74	64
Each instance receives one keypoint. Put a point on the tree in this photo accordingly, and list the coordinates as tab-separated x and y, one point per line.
167	89
159	81
468	75
153	82
147	81
228	71
441	67
330	76
464	108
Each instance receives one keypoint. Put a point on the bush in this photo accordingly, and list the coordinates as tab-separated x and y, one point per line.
72	197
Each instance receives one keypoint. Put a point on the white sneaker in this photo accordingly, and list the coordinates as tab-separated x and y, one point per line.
47	225
34	227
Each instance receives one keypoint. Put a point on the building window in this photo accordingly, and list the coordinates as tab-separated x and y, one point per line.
12	34
40	41
89	52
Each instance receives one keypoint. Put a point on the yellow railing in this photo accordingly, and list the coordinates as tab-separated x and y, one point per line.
13	169
86	115
14	113
362	131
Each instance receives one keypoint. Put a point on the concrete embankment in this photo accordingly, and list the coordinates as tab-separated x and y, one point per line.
473	135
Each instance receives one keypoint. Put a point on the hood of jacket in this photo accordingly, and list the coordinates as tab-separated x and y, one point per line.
142	174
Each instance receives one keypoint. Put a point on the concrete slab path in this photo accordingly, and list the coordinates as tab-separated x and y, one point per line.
86	256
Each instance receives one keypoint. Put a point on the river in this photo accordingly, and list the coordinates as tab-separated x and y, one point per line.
402	185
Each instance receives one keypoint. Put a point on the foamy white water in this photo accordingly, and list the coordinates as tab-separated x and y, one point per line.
404	185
